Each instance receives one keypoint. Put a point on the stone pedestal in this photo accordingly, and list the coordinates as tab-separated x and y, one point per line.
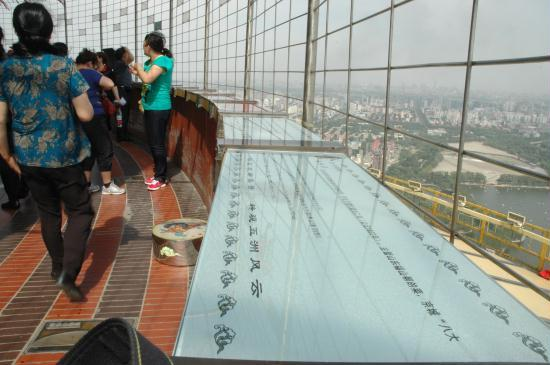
176	242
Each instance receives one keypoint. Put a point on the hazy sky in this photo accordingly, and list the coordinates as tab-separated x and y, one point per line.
425	31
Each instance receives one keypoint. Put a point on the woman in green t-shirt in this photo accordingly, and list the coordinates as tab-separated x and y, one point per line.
156	75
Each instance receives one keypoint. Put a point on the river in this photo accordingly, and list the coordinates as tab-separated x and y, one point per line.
534	204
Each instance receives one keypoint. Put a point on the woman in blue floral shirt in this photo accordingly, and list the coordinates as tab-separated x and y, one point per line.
49	143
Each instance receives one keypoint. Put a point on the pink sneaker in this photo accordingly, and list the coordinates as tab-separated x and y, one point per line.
155	185
149	180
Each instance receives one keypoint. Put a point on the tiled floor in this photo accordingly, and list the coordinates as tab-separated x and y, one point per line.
119	276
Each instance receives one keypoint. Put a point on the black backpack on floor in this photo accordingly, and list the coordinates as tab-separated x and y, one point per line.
114	342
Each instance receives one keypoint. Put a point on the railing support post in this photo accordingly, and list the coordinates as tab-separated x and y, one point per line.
311	59
206	36
66	25
543	255
248	49
463	119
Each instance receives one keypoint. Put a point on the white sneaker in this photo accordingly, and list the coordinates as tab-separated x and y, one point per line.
93	188
113	189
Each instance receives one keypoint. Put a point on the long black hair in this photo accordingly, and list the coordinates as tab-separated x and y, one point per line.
2	51
33	25
157	42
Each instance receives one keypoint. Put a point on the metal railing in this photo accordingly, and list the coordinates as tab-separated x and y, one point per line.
528	244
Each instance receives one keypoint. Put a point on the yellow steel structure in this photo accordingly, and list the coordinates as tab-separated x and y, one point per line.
528	244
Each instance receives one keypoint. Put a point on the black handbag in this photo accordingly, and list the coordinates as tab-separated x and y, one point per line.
114	342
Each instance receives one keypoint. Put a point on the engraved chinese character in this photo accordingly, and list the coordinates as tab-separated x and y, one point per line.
232	214
233	203
432	249
255	264
405	222
432	311
252	218
225	304
498	311
232	226
450	265
229	257
533	343
252	207
254	246
256	288
253	231
227	277
471	286
418	235
224	336
448	331
394	212
230	240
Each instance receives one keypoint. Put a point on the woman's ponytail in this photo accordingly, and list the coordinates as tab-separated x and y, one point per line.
33	45
167	52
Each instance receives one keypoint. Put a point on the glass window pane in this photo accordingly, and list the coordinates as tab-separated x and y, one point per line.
318	120
296	85
369	46
282	35
428	102
368	95
281	59
364	142
337	50
519	30
299	7
283	11
336	90
338	14
298	30
280	83
319	87
297	58
493	193
364	8
425	31
431	166
508	114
